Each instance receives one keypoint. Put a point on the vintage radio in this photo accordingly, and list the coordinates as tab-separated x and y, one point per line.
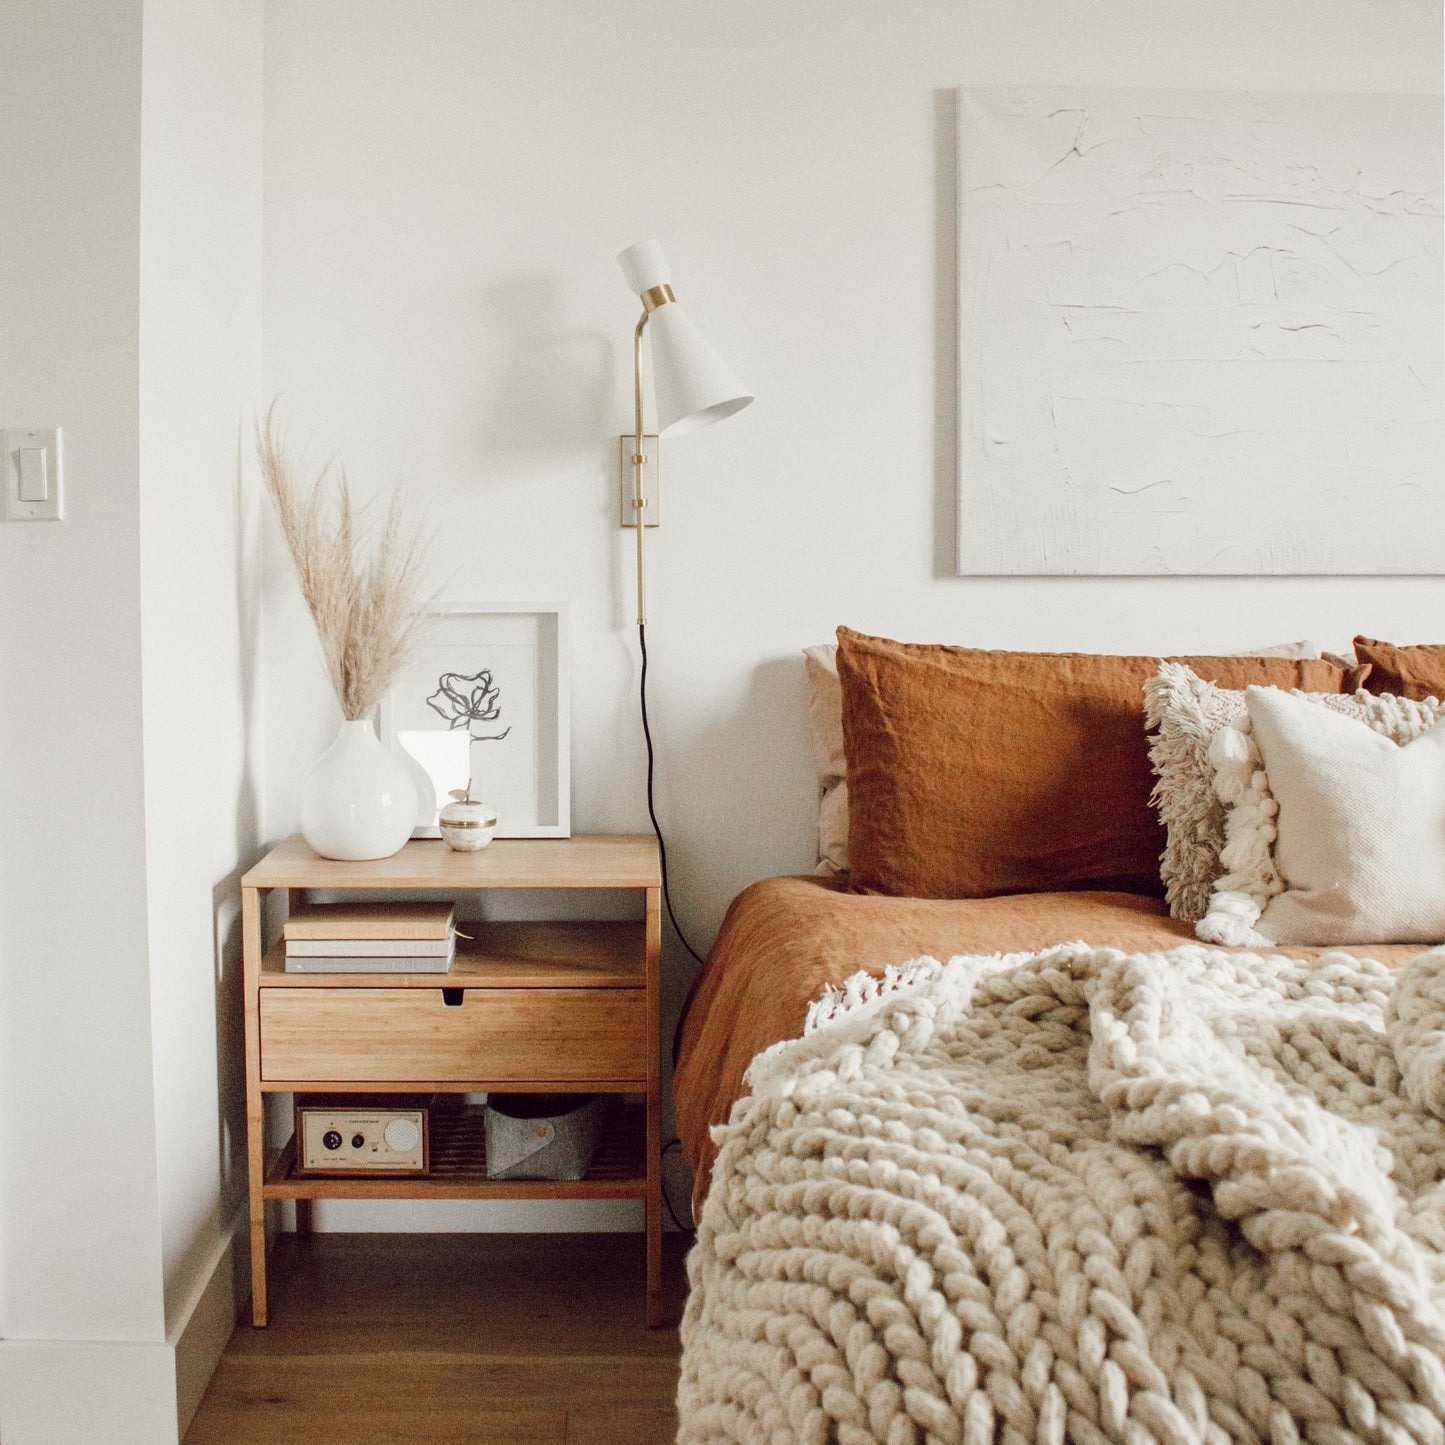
360	1135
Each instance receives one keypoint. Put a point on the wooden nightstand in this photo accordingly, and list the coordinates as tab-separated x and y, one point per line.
527	1007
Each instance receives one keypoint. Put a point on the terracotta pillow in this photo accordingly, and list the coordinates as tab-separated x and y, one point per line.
974	773
1412	672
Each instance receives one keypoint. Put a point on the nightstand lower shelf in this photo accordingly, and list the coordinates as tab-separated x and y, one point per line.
459	1168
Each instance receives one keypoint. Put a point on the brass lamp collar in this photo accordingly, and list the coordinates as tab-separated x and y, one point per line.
656	296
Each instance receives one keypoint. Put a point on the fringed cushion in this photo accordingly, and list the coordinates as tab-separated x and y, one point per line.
1183	712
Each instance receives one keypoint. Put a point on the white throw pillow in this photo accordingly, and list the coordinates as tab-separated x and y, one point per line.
1335	832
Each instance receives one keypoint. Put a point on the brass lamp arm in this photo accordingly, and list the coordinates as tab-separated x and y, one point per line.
639	460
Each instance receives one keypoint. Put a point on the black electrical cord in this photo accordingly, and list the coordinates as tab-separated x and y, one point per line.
684	1228
652	811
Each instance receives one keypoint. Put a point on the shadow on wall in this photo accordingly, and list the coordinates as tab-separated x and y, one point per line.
945	333
229	1196
226	894
230	1043
247	515
554	385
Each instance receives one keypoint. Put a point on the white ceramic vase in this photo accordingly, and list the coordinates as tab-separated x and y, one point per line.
358	801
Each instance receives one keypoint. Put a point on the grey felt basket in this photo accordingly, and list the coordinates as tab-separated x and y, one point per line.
542	1136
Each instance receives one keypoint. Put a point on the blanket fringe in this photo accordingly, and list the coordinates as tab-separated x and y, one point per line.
863	988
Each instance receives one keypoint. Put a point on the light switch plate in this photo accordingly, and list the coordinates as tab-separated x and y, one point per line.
12	443
651	492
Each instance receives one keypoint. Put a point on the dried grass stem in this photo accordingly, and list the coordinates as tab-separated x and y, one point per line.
367	606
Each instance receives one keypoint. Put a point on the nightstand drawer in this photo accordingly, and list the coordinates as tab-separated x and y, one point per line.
401	1035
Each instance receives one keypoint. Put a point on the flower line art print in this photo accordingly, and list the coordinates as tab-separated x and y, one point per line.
467	699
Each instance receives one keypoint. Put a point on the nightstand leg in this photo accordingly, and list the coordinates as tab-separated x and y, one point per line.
258	1262
303	1217
654	1219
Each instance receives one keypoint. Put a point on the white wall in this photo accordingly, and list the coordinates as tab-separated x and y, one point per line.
444	198
79	1209
200	338
129	315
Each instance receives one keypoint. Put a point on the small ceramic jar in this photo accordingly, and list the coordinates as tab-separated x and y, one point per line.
465	824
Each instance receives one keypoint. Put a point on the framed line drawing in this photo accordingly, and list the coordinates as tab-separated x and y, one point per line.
486	697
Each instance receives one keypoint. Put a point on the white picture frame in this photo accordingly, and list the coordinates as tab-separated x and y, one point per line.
486	696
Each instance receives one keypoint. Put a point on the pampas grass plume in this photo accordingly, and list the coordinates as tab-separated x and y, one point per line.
366	603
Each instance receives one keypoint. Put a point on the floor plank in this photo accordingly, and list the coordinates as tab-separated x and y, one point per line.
621	1427
495	1339
274	1425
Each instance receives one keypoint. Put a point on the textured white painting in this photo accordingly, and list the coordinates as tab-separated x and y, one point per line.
1200	333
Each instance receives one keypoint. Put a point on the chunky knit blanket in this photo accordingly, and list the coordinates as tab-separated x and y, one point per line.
1083	1196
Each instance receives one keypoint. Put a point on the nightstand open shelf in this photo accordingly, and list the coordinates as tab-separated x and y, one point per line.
508	955
459	1168
545	1007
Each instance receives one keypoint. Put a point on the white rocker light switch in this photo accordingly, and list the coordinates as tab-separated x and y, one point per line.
30	467
33	474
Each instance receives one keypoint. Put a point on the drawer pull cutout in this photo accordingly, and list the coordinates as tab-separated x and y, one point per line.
452	997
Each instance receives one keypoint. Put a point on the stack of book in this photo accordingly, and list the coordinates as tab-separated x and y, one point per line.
371	938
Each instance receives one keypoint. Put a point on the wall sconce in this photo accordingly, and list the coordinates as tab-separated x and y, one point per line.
692	387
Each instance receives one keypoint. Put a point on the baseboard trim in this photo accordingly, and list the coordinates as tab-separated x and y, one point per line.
87	1392
113	1392
200	1335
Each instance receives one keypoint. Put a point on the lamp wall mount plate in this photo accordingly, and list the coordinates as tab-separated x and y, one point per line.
651	481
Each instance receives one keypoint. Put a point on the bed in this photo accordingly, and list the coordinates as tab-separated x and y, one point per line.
987	1148
784	940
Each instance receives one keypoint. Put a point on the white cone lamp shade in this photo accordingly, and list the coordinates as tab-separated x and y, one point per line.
692	385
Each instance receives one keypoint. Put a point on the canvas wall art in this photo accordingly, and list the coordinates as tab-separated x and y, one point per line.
1199	333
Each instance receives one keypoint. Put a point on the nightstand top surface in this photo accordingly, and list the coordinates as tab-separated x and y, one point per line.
586	860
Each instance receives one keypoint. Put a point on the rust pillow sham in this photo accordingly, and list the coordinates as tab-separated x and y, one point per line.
1414	672
976	773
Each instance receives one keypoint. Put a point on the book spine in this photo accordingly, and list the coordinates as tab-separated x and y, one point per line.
352	963
369	947
295	930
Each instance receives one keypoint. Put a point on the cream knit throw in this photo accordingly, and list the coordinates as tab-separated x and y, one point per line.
1085	1197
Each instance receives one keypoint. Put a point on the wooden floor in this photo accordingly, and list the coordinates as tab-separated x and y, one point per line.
520	1339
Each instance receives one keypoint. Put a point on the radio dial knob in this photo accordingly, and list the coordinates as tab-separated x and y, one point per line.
401	1136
